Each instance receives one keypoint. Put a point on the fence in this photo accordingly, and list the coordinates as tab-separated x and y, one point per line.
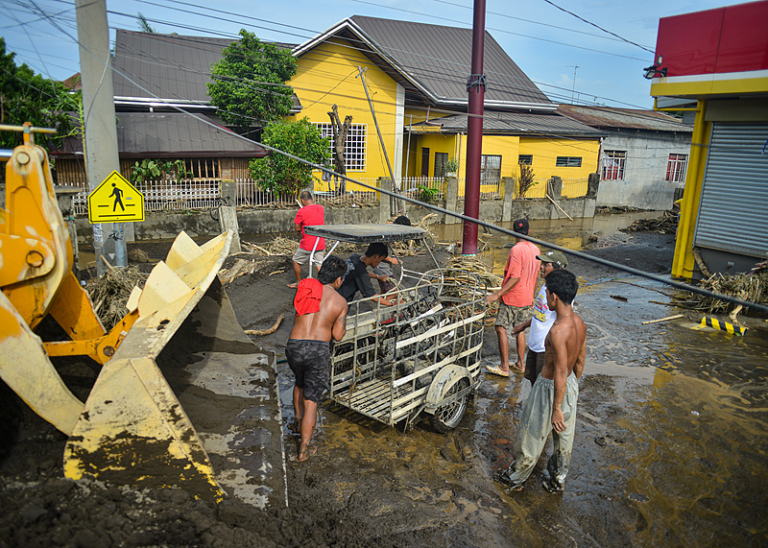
424	188
575	187
204	194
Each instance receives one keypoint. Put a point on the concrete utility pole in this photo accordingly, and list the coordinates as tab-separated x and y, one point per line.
476	90
100	139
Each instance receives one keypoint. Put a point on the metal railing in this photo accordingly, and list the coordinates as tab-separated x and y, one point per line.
202	194
575	187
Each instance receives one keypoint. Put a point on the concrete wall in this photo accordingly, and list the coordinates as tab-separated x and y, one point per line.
167	225
644	185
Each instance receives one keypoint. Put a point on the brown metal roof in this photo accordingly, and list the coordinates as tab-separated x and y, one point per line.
513	123
171	134
624	118
435	61
167	66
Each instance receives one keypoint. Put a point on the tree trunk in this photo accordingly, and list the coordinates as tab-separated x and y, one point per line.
340	132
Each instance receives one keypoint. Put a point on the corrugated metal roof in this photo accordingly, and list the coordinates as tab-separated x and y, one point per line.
513	123
167	66
440	58
624	118
164	134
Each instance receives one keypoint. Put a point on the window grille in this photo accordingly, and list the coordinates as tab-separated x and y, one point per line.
354	148
613	165
441	158
203	168
568	161
525	159
676	168
490	170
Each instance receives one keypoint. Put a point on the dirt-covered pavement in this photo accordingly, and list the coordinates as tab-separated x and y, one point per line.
670	448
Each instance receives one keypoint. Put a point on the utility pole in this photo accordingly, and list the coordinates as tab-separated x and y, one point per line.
100	139
476	90
361	75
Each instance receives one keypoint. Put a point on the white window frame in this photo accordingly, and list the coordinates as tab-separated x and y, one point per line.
355	149
614	165
677	165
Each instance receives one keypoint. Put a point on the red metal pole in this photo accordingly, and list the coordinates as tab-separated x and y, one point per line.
476	90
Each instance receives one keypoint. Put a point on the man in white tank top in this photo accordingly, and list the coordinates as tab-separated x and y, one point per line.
542	317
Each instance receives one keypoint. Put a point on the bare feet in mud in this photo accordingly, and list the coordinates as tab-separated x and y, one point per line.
306	452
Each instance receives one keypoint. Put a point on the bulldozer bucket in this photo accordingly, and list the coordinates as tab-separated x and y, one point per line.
134	429
178	358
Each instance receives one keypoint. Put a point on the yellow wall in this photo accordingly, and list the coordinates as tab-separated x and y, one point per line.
544	151
326	75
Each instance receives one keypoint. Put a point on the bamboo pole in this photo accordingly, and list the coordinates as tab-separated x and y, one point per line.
676	316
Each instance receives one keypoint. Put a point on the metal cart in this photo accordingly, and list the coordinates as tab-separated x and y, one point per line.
421	355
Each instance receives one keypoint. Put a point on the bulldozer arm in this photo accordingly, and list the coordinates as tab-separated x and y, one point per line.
178	348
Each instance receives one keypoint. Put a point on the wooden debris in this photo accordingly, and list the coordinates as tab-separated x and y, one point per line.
700	262
111	290
619	298
228	276
675	317
262	332
666	224
277	272
558	207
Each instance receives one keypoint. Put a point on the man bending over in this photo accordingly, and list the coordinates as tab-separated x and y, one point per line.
321	313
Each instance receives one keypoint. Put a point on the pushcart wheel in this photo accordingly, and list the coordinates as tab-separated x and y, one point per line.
448	416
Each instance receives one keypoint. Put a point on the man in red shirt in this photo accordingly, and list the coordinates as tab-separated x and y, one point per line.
516	296
310	214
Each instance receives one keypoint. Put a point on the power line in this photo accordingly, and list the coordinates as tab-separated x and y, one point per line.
502	30
580	18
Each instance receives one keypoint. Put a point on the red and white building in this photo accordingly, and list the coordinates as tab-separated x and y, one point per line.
717	61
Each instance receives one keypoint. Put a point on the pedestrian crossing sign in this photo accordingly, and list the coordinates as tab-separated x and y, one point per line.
115	200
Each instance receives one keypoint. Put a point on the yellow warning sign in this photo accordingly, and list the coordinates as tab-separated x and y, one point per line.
115	200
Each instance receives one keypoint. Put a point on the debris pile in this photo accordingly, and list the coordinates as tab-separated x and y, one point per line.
110	293
666	224
484	275
749	286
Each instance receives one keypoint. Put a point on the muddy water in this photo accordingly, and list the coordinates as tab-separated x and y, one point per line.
670	446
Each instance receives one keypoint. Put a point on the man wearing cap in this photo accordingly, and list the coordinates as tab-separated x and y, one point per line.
516	296
543	317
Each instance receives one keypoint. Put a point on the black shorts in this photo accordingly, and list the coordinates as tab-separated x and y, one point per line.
310	362
534	363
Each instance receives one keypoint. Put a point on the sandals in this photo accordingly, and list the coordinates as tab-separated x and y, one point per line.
496	371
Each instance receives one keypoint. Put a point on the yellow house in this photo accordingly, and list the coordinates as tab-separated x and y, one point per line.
410	80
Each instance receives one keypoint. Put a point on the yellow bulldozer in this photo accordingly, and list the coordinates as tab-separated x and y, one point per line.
179	348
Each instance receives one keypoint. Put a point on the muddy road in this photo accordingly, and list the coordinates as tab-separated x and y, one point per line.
670	448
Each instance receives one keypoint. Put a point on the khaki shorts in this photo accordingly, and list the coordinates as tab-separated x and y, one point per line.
510	316
302	256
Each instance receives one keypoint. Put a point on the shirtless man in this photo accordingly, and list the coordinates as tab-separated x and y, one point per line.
551	406
321	313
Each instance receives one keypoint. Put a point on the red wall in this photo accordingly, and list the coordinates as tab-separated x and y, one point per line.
721	40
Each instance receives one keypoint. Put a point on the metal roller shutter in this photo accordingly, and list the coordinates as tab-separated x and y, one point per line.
733	213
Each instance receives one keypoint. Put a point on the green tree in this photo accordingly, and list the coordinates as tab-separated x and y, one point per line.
28	97
144	25
248	82
280	174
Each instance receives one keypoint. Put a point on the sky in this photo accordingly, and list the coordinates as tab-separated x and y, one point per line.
548	44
